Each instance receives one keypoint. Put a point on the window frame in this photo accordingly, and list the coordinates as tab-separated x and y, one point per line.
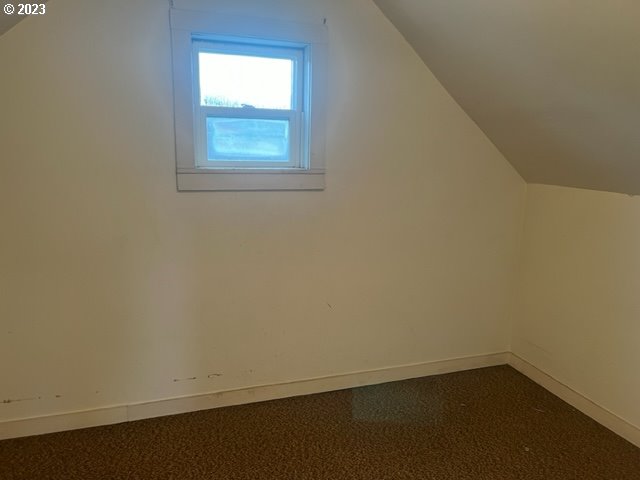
190	29
296	116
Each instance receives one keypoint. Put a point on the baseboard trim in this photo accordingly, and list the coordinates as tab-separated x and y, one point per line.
259	393
577	400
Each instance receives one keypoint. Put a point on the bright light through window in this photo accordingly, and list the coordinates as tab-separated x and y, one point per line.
245	81
249	101
242	139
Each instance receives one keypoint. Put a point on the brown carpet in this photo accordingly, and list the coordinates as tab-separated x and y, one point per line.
491	423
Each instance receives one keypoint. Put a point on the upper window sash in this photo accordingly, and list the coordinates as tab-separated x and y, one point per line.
257	48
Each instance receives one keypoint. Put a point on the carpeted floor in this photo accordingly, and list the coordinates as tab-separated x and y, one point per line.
491	424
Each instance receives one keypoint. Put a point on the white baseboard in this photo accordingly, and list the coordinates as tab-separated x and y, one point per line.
259	393
598	413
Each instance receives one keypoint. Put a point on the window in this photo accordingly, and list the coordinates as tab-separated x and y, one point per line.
248	103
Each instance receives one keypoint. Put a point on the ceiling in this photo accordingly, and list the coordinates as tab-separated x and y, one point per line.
555	84
9	21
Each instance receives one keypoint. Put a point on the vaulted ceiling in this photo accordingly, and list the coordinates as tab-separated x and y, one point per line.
9	21
555	84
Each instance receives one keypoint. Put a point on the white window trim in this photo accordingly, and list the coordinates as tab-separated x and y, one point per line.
187	25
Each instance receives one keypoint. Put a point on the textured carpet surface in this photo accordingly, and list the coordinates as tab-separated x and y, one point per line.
489	424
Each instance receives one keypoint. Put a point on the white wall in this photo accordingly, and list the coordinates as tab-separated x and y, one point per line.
113	284
579	309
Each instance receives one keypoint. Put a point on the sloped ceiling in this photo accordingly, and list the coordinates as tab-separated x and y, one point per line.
555	84
9	21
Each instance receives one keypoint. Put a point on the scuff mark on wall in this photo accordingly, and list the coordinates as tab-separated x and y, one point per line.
16	400
213	375
184	379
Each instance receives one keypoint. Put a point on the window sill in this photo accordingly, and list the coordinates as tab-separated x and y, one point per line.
194	180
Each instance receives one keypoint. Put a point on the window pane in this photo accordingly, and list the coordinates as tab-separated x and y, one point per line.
241	80
242	139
